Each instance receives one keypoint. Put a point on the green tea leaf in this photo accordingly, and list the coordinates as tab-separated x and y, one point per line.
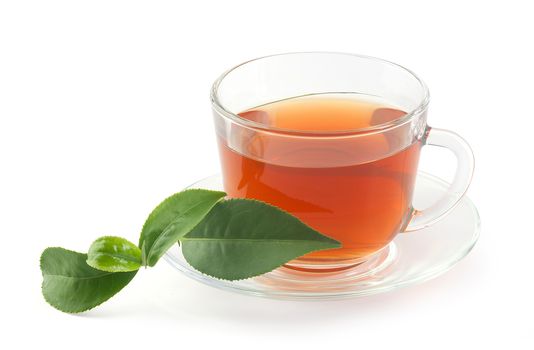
242	238
114	254
70	285
173	218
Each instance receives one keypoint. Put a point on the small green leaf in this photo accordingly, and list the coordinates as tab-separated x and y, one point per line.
173	218
70	285
114	254
242	238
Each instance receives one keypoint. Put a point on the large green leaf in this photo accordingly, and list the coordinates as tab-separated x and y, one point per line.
173	218
242	238
70	285
114	254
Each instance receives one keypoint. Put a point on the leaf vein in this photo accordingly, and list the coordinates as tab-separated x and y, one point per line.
120	256
268	240
80	278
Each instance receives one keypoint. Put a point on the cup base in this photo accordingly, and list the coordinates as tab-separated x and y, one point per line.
302	278
322	266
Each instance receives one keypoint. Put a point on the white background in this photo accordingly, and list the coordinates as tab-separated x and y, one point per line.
104	111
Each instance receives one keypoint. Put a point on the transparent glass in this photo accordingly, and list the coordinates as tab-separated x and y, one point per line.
353	184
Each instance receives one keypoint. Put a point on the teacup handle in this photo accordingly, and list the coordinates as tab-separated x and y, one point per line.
459	185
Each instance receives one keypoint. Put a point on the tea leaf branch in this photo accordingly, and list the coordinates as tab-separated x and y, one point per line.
227	239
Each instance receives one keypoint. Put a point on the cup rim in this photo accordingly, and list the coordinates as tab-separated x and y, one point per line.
220	108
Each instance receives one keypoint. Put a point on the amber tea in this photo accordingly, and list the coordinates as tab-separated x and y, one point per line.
356	190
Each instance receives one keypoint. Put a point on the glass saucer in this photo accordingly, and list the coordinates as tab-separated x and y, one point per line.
411	258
